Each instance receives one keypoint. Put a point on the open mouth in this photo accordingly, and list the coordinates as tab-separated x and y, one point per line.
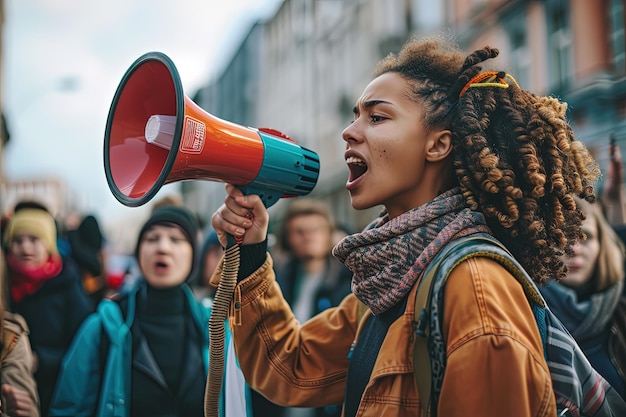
357	167
573	267
160	266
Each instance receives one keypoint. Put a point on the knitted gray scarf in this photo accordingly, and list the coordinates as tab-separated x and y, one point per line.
584	319
388	257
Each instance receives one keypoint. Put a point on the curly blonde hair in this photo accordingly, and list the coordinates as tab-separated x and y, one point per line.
514	154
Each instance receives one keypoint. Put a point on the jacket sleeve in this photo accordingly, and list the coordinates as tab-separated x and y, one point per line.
495	363
77	388
292	364
16	368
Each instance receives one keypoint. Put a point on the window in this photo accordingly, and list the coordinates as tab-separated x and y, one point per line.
520	53
617	19
560	45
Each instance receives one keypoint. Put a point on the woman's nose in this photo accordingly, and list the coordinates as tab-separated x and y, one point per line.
163	244
350	133
578	248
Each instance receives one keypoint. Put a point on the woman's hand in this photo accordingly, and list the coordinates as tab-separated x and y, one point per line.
241	216
18	402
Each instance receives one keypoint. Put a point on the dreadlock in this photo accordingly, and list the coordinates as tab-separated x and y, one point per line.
515	156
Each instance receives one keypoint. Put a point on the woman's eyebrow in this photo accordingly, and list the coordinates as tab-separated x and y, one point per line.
370	103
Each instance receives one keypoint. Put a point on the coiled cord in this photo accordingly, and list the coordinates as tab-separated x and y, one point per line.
217	332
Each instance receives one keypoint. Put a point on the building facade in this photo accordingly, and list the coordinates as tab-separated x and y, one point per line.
301	70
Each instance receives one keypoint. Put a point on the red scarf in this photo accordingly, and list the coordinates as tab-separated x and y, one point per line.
25	280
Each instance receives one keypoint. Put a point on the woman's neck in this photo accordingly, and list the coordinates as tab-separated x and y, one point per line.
314	266
165	301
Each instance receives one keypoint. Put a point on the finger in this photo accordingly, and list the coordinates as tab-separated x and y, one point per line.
20	396
9	394
224	222
239	206
22	405
243	216
232	190
247	211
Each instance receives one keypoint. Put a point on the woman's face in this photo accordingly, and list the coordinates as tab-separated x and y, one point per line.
386	149
165	256
583	263
29	250
309	236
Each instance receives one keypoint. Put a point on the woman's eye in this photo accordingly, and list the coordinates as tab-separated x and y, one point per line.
376	119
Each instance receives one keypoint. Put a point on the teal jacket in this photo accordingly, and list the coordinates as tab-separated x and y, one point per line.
79	392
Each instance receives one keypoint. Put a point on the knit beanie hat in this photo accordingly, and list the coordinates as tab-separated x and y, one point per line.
90	233
35	222
179	216
86	242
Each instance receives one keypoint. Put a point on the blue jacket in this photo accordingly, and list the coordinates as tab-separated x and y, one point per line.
79	391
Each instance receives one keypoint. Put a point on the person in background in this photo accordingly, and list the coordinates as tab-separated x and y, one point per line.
449	151
613	192
311	280
210	256
590	301
18	389
87	243
45	289
139	354
168	200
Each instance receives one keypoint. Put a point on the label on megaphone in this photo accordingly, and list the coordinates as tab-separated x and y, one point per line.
160	130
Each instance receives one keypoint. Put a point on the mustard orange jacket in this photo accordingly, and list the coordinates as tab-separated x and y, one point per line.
495	363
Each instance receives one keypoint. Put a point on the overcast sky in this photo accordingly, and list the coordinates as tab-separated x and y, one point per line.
63	60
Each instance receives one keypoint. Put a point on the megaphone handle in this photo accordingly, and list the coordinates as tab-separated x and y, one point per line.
232	240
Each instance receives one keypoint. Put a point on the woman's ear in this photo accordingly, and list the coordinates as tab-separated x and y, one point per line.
438	145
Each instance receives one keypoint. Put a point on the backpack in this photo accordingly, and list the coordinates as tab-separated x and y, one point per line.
578	388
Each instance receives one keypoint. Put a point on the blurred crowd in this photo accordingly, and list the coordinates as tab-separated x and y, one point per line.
57	274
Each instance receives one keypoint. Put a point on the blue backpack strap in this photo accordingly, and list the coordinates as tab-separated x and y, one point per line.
421	328
115	389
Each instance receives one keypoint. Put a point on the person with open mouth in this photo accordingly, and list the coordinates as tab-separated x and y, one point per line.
449	150
145	352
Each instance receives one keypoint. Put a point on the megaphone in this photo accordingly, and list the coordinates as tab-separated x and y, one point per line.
155	135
